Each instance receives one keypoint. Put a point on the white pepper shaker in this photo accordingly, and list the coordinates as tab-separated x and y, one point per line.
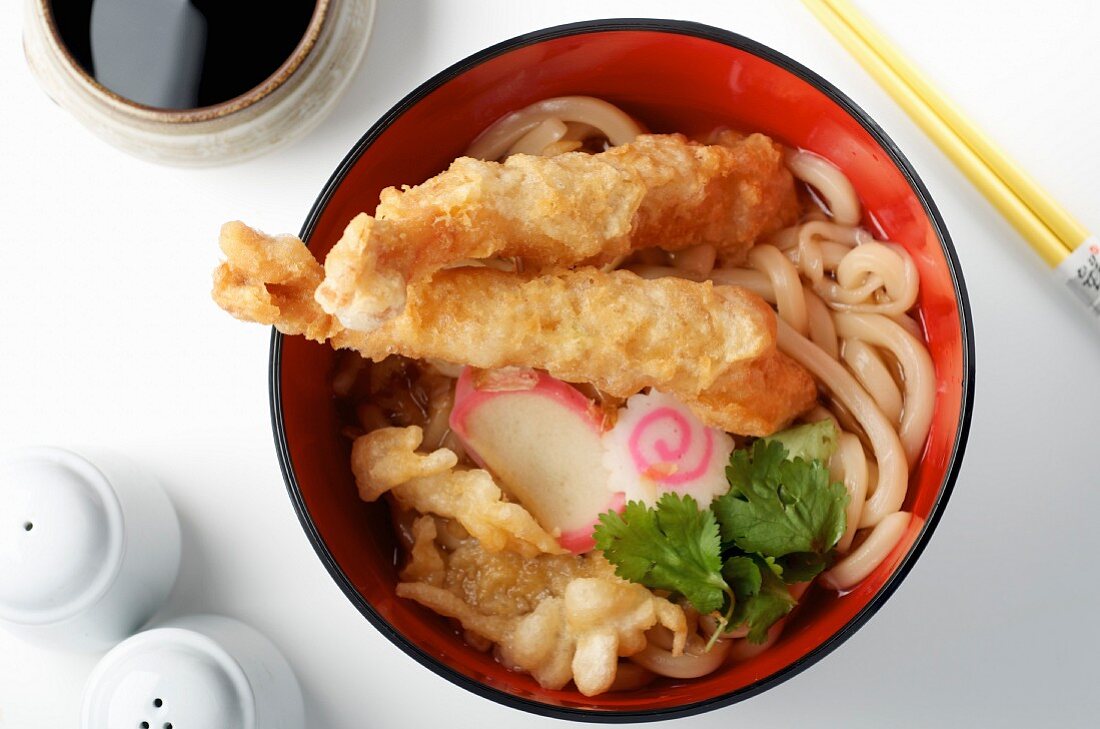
89	547
200	671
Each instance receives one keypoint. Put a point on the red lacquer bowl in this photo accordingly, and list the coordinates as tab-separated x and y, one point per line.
674	76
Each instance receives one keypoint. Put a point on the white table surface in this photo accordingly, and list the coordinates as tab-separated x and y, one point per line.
109	338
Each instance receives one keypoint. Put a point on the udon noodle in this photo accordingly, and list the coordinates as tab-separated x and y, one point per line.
844	302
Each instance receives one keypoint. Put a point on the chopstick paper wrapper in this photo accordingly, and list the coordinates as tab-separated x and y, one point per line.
1050	229
1081	273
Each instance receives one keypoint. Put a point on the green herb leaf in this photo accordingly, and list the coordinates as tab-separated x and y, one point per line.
743	576
761	610
674	546
808	442
776	507
803	566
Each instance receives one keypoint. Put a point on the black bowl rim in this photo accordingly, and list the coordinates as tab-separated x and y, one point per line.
740	42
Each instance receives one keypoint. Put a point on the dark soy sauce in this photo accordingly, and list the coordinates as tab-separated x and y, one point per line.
181	54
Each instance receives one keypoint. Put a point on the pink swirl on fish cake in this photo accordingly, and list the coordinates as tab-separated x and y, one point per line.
659	445
669	456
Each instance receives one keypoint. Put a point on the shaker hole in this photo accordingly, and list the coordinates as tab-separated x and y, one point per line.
167	725
158	703
27	526
144	725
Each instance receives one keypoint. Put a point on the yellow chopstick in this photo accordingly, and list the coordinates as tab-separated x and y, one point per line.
1041	235
1053	215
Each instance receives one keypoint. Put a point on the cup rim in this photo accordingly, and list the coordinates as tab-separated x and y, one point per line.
742	43
249	98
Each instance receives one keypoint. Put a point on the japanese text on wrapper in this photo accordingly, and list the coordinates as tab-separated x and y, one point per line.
1088	274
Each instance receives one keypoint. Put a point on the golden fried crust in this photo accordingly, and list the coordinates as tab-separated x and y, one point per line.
615	330
712	346
271	280
726	194
758	397
559	211
576	632
386	460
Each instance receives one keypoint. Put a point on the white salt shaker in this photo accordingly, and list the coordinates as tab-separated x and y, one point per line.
199	671
89	547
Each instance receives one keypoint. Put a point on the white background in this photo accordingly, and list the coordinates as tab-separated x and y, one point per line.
109	338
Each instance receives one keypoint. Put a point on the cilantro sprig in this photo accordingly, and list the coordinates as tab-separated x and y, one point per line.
674	547
777	525
782	508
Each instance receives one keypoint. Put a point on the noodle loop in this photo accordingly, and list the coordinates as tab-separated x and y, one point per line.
597	116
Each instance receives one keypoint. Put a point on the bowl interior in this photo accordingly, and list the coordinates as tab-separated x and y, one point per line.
671	82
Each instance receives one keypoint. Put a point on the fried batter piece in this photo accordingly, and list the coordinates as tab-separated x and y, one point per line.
711	346
425	559
758	397
557	617
615	330
385	460
574	208
271	278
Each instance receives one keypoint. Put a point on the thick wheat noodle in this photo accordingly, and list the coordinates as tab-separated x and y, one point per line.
893	468
809	259
872	477
578	131
916	363
825	230
803	243
697	260
815	237
631	677
754	281
662	637
832	253
840	297
830	183
867	268
849	465
909	324
822	328
611	122
862	560
785	282
872	373
649	271
863	267
709	624
742	650
819	413
540	137
785	239
687	665
847	421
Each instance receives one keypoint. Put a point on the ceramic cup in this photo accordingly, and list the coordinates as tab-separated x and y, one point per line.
285	106
89	547
198	671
